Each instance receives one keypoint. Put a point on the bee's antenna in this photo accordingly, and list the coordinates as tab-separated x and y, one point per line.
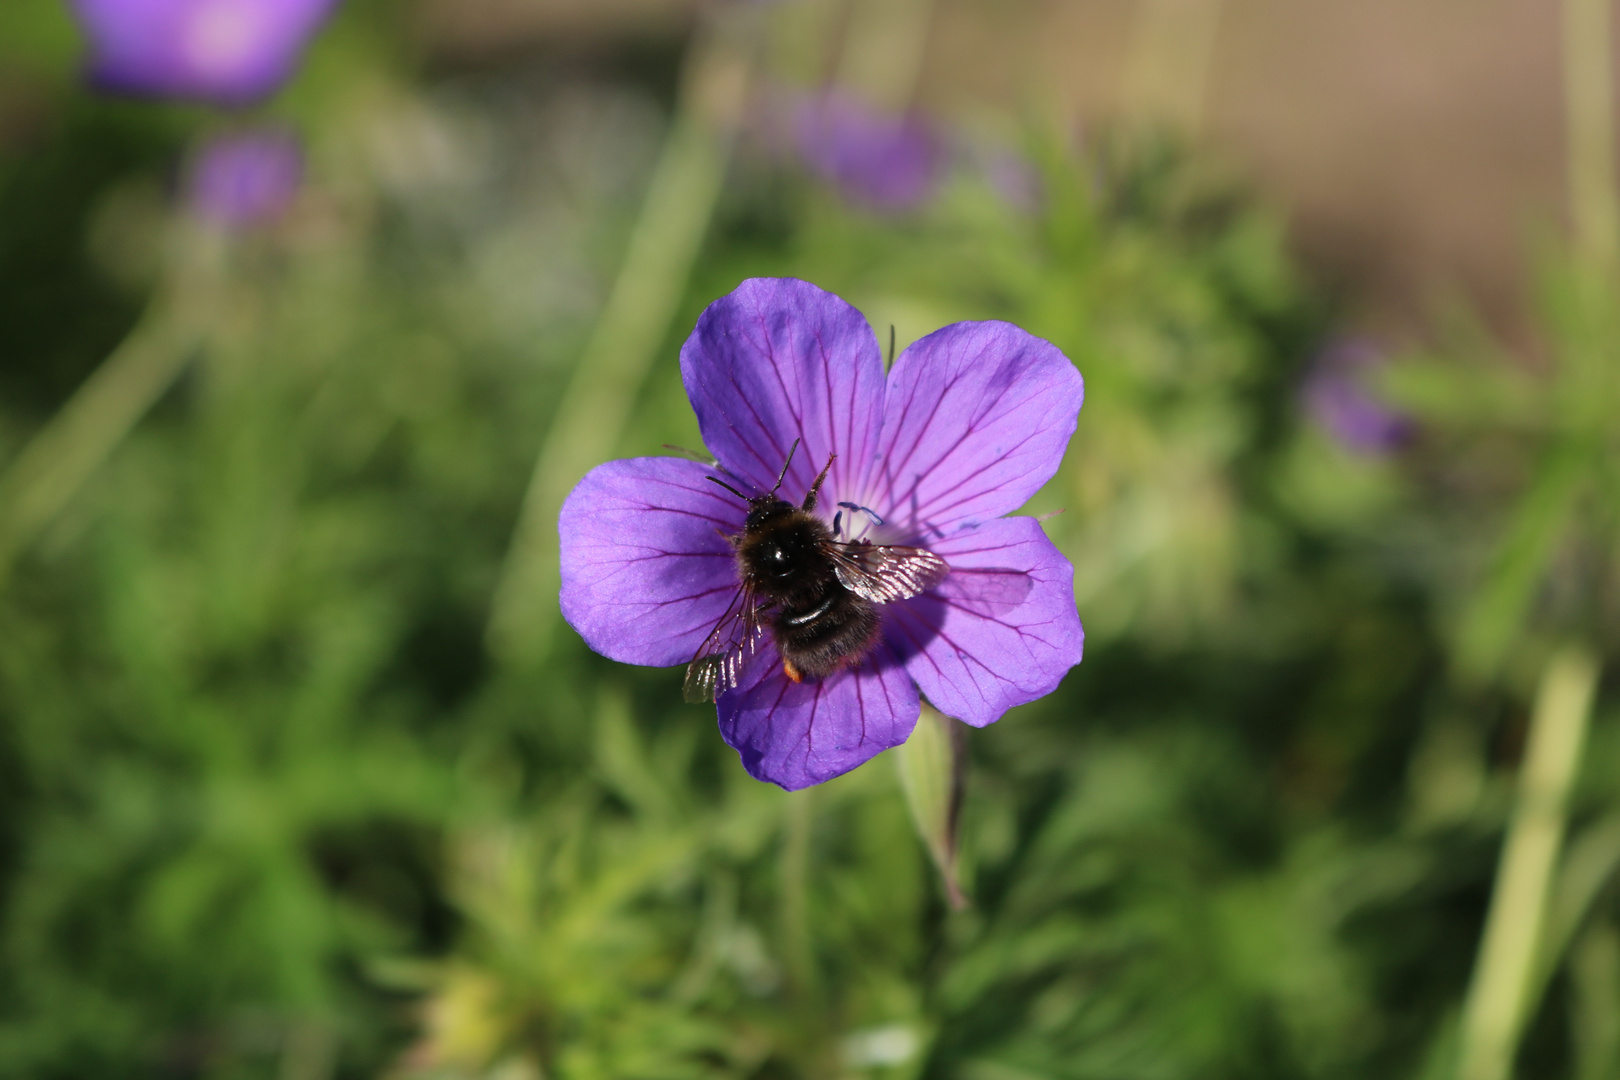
815	488
783	474
728	487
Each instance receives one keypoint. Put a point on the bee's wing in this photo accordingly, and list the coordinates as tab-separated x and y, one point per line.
718	662
884	572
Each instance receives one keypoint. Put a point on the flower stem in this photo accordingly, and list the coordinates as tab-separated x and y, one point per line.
1499	997
884	45
60	459
798	953
1594	971
596	405
1590	861
1168	64
930	764
1589	131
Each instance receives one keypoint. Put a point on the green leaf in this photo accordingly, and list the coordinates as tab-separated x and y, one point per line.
931	766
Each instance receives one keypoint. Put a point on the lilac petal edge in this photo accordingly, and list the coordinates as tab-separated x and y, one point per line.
890	162
248	177
977	418
227	53
778	359
798	734
646	573
1000	631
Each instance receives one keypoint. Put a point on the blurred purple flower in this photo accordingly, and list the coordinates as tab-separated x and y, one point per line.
1336	395
886	161
970	422
246	178
1015	179
228	52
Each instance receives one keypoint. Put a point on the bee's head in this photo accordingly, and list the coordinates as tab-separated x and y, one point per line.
765	509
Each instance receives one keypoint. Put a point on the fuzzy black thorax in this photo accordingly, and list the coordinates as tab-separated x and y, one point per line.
784	554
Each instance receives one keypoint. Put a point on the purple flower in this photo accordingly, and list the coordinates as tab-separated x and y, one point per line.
886	161
228	52
970	422
1016	180
246	178
1336	396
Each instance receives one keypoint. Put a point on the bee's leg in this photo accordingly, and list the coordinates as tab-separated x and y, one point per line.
792	672
727	537
815	488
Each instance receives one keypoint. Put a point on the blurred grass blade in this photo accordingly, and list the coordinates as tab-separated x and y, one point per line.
1168	65
1440	1057
930	765
1538	523
1589	120
1499	999
1595	987
62	457
591	417
1590	862
883	49
793	878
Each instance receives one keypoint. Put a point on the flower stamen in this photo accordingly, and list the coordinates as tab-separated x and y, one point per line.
856	508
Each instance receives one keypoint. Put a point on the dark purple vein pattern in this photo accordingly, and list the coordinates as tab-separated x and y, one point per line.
970	423
798	734
978	645
976	419
779	359
645	571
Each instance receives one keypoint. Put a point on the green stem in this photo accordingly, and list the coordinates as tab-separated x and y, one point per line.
1589	863
596	405
798	953
931	767
1499	998
883	49
1167	65
1589	131
1594	976
56	464
1498	609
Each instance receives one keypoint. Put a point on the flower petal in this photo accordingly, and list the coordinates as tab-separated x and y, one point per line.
247	177
977	418
798	734
229	52
888	161
778	359
646	573
1000	631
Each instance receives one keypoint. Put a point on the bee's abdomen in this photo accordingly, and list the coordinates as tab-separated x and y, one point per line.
818	638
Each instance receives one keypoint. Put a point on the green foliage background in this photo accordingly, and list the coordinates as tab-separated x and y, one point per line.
270	807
